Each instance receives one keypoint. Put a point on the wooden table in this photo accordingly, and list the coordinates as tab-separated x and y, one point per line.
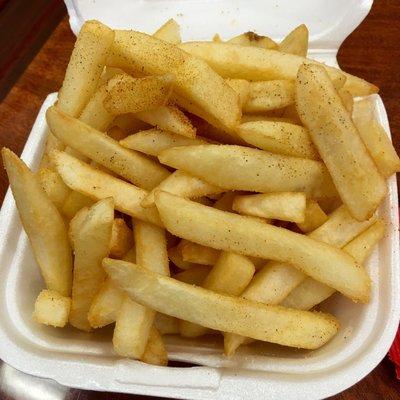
372	52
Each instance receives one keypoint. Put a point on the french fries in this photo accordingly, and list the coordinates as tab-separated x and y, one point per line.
194	275
121	238
222	312
175	255
43	224
254	40
296	42
314	217
198	254
241	87
242	168
75	202
286	206
99	185
131	165
53	185
169	32
165	324
355	175
155	352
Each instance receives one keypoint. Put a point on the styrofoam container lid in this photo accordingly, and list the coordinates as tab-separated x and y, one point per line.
260	371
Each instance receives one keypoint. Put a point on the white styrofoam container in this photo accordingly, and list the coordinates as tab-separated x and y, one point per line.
87	361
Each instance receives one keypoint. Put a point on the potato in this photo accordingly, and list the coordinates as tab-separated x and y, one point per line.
198	254
165	324
241	87
121	238
296	42
169	32
53	185
155	352
254	40
314	217
74	203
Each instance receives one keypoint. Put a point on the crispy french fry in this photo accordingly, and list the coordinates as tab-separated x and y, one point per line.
347	99
355	175
198	254
121	238
251	63
85	67
43	224
195	80
76	223
375	138
285	206
242	168
101	148
314	217
239	234
222	312
175	255
254	40
182	184
75	202
155	352
154	141
98	185
165	324
91	245
241	87
296	42
52	143
52	308
194	275
53	185
279	137
269	95
169	32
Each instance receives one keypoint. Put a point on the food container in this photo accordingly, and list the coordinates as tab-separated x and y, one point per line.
261	371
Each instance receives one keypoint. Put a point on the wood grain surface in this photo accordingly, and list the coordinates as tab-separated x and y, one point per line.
372	52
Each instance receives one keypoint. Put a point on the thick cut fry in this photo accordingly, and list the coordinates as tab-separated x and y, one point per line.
194	275
222	312
169	32
314	217
375	138
134	321
355	175
347	99
175	255
239	234
75	202
166	324
242	168
43	224
105	305
241	87
254	40
195	80
130	95
101	148
269	95
85	67
296	42
154	141
53	185
121	238
51	308
98	185
230	275
52	143
255	64
91	245
279	137
184	185
310	292
76	223
198	254
155	352
168	118
286	206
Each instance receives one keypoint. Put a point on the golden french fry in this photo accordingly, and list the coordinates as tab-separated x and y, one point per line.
43	224
347	99
184	185
243	235
175	255
154	141
76	223
155	352
255	64
275	324
52	143
375	138
169	32
85	67
285	206
355	175
198	254
241	87
254	40
52	308
166	324
121	238
269	95
91	245
296	42
243	168
194	275
101	148
217	38
53	185
314	217
195	80
98	185
129	123
75	202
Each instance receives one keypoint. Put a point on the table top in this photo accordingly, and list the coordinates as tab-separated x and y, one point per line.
371	52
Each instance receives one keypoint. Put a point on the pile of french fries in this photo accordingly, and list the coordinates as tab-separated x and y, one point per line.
222	187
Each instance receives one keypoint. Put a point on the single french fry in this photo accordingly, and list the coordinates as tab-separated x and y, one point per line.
43	224
75	202
91	245
85	67
241	87
217	38
154	141
155	352
222	312
52	143
98	185
254	40
121	238
314	217
198	254
54	187
175	255
285	206
347	99
182	184
296	42
101	148
165	324
243	168
194	275
169	32
129	123
360	185
76	223
52	308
